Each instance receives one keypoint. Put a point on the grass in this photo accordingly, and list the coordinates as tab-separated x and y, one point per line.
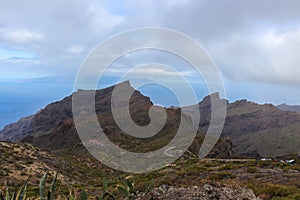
274	191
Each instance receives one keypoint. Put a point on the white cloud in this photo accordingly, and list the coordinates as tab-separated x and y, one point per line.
266	57
101	20
76	49
21	36
150	71
247	42
177	2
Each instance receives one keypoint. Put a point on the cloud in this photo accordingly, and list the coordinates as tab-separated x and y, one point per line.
76	49
21	36
267	57
152	70
249	40
59	35
246	42
19	60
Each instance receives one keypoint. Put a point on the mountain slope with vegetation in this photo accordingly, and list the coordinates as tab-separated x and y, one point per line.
255	130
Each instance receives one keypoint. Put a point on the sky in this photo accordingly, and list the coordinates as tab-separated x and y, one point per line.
254	44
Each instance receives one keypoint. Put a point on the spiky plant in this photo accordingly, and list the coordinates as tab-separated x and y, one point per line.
42	187
128	189
148	187
106	194
20	195
52	187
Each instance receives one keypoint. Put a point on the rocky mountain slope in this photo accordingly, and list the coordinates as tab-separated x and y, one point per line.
55	125
262	128
286	107
19	161
255	130
186	178
53	115
17	131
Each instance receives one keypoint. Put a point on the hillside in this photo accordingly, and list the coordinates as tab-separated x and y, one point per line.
17	131
255	130
18	161
286	107
52	116
187	178
58	147
55	125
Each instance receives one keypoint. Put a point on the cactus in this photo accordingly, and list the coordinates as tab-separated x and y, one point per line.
15	196
22	192
52	187
6	191
42	186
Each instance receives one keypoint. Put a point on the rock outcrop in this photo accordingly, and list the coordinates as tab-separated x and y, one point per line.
206	192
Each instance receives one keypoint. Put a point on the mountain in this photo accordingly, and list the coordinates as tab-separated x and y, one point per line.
255	130
54	115
286	107
64	135
52	143
17	131
262	128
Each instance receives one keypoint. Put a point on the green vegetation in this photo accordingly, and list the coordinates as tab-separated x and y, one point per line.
275	191
92	180
42	187
126	189
21	195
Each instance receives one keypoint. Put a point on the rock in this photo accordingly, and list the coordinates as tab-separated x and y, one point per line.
205	192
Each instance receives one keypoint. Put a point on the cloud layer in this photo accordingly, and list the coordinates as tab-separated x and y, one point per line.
249	40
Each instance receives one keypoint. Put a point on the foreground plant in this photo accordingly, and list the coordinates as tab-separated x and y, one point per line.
129	190
42	187
106	194
21	195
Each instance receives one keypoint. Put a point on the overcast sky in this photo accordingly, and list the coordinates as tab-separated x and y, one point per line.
255	44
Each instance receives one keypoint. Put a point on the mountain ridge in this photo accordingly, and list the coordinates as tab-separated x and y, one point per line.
291	108
255	129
